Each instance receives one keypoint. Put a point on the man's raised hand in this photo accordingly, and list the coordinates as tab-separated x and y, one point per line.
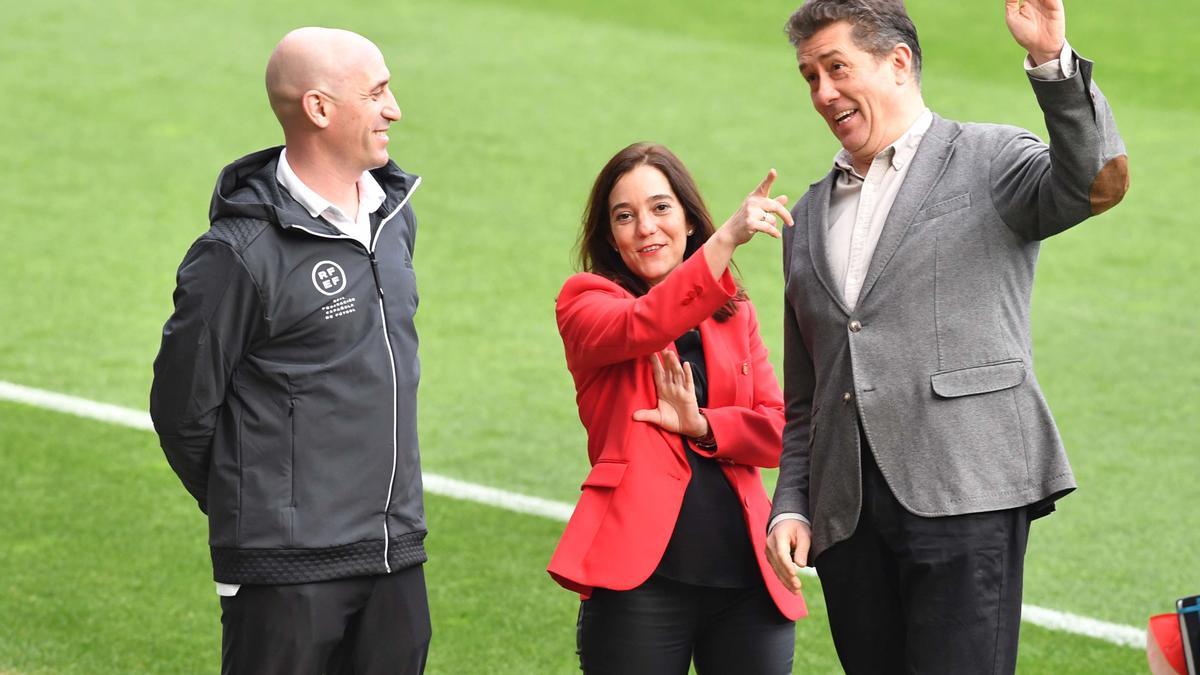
1040	26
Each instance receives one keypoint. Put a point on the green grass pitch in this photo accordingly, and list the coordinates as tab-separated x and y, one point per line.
119	114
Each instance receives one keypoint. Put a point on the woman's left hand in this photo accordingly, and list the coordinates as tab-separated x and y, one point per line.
677	409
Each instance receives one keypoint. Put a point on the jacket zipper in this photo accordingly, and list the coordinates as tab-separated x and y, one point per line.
395	450
391	358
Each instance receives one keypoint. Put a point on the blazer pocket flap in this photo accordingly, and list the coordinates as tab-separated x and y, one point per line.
945	206
978	380
605	474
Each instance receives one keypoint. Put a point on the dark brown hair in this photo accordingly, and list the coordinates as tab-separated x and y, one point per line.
878	25
596	253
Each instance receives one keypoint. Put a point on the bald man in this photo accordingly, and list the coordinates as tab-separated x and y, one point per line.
284	393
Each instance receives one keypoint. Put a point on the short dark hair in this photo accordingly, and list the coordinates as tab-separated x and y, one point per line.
596	253
878	25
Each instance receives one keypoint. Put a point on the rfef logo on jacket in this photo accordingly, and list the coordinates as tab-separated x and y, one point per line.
328	277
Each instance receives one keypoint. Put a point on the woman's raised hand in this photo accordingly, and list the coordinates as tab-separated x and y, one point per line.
757	213
677	409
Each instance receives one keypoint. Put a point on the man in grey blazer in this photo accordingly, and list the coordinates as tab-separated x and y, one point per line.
918	445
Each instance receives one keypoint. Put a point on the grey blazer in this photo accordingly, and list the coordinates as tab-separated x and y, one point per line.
936	358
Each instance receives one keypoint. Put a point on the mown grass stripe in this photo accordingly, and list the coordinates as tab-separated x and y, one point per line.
1125	636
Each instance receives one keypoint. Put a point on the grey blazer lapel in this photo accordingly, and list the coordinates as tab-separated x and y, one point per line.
928	165
818	236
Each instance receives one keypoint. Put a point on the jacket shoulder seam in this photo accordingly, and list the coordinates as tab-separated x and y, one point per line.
237	254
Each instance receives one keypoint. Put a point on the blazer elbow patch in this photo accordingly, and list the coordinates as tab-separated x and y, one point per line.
1110	185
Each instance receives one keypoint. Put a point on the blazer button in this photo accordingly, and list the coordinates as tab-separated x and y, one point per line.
745	368
855	326
847	397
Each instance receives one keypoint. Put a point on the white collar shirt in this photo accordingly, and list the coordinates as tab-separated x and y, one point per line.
370	198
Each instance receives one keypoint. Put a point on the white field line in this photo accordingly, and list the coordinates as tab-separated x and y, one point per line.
79	407
1127	636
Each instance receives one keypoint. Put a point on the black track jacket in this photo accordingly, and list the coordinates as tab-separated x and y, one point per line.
285	391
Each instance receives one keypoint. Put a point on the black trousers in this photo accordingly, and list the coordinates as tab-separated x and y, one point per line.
362	626
907	594
660	626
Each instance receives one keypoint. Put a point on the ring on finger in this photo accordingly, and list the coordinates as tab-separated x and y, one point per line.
766	217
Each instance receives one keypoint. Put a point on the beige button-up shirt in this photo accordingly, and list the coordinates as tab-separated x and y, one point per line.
859	205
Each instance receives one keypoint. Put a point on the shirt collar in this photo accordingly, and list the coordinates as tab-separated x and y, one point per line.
900	152
370	193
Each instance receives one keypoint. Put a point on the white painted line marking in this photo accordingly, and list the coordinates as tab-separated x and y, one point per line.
459	489
1125	636
79	407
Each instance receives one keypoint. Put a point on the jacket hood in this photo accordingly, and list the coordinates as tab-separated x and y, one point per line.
247	188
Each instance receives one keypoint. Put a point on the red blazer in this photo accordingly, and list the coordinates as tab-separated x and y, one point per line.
631	497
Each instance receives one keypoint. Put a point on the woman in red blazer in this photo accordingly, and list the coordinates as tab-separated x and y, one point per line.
666	544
